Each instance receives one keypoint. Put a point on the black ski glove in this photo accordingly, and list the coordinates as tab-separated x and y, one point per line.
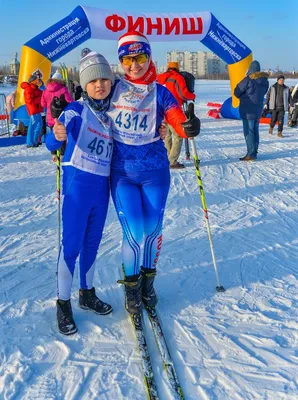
58	105
192	126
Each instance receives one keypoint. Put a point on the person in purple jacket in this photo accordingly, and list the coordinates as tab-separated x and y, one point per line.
251	91
55	87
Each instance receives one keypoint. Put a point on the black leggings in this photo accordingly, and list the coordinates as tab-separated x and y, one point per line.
277	115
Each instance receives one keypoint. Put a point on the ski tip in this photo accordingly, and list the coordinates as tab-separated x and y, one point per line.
220	289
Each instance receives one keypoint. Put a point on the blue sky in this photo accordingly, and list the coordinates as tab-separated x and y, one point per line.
269	28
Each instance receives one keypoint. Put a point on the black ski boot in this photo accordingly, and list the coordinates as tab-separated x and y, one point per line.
89	301
133	293
65	321
149	295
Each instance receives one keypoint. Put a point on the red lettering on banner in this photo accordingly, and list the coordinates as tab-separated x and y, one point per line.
151	26
115	23
170	26
200	25
192	30
137	25
189	26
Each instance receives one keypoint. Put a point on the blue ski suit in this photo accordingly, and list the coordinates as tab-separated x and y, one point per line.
140	177
85	189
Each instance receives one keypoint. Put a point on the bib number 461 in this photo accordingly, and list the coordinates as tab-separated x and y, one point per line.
99	146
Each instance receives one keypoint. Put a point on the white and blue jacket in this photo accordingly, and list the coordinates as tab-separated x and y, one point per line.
89	143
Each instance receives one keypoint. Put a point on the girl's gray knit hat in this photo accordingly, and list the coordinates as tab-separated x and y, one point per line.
94	66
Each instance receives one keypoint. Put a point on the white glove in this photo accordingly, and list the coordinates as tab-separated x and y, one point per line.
265	106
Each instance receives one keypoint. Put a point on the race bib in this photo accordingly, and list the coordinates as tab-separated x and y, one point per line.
133	113
94	147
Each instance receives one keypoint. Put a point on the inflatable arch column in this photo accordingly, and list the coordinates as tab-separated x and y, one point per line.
84	23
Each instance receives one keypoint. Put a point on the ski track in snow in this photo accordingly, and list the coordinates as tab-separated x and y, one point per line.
241	344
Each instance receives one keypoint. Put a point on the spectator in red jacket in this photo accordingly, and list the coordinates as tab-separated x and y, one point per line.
176	84
32	95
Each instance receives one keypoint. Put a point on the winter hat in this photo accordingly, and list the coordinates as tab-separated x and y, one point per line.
57	75
254	67
280	77
133	43
94	66
32	78
173	64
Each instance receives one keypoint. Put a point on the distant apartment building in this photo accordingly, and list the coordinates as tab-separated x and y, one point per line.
71	70
199	63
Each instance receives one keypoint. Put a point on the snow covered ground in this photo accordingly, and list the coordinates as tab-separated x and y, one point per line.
241	344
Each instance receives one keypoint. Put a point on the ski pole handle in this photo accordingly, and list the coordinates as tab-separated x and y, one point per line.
191	110
192	126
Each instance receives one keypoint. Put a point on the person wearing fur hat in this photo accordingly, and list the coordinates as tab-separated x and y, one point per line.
55	86
251	91
87	129
32	95
140	176
277	101
176	84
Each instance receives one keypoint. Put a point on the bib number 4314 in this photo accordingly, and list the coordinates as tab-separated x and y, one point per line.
137	123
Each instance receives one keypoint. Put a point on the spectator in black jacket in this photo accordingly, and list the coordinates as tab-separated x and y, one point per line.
293	111
78	92
251	91
277	101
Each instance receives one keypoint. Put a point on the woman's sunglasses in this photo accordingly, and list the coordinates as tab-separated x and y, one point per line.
139	59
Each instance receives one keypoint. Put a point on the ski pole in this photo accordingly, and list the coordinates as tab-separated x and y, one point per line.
186	142
58	178
219	288
187	152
